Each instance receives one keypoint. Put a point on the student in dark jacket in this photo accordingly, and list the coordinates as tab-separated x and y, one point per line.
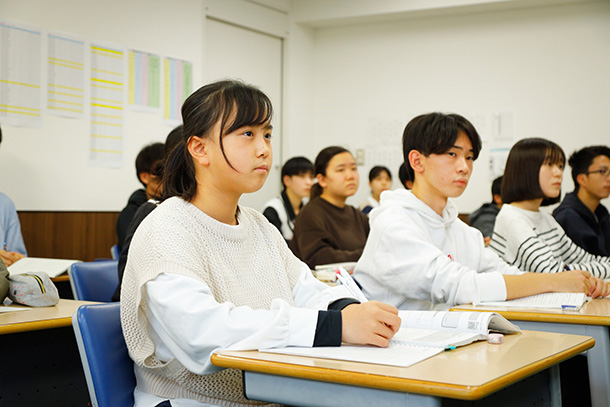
585	220
484	218
328	230
148	164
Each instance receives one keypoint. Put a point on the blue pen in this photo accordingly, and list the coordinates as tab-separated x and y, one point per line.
570	307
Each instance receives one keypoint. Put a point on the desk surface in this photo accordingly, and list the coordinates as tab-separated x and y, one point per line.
469	372
37	318
595	312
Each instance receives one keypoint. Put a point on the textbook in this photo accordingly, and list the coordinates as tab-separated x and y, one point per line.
53	267
422	334
564	301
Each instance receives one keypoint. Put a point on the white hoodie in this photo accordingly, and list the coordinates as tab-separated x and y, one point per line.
415	259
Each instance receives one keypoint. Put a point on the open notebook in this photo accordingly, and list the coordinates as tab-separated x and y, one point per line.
565	301
53	267
422	334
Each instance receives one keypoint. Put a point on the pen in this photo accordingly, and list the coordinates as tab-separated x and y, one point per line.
350	284
570	307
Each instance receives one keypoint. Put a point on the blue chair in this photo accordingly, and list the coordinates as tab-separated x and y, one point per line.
94	281
115	252
106	362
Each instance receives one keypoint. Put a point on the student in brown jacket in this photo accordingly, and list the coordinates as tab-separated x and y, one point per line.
328	230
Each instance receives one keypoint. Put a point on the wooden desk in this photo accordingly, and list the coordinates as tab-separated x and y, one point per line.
468	373
592	320
40	357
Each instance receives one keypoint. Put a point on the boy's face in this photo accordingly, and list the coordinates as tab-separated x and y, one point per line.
596	184
446	175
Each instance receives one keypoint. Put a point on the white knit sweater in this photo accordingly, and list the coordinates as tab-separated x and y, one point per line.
245	268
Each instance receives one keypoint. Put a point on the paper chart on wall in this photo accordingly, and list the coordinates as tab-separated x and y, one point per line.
20	74
107	114
177	86
144	90
65	76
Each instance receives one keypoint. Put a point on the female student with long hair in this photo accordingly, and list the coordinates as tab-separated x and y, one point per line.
328	230
524	235
205	274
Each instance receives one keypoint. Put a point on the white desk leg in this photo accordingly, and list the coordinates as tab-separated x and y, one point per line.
598	357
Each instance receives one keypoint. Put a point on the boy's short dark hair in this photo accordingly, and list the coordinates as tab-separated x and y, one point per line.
496	188
436	133
405	174
521	180
296	166
581	160
378	169
150	159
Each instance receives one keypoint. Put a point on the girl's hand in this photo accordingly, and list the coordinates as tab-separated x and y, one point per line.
369	323
572	281
10	257
598	287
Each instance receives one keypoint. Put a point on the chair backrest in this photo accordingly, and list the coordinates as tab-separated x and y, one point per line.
94	281
115	252
106	362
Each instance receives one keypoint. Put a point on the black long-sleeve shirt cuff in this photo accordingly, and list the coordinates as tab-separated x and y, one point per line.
330	324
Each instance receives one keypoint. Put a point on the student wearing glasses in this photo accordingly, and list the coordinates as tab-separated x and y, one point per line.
585	220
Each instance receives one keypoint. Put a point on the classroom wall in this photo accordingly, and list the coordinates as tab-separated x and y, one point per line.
546	67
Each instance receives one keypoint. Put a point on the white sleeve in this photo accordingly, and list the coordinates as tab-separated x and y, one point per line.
309	292
188	324
409	264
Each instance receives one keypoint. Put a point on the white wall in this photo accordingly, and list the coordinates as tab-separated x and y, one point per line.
549	66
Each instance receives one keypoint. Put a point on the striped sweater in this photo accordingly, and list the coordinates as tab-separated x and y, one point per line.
534	241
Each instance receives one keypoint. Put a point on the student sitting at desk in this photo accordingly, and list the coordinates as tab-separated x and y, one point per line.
172	140
11	240
524	235
585	220
484	218
405	174
205	274
419	255
328	230
380	179
297	179
148	165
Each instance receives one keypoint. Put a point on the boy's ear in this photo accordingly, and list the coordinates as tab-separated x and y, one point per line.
581	179
144	177
197	147
321	180
416	159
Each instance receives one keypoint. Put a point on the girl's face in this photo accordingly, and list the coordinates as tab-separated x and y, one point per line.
550	178
341	179
382	182
248	150
300	184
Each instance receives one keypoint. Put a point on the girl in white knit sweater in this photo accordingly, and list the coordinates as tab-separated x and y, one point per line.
524	235
205	274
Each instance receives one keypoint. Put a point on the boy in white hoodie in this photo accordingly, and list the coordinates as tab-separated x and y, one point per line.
419	255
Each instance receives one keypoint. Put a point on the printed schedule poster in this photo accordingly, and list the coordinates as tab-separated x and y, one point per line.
107	89
65	76
20	75
144	80
178	85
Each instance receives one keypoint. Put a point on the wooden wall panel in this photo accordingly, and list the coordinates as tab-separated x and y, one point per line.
82	236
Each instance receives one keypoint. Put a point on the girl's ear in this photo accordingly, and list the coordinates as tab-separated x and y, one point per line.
198	148
416	159
321	180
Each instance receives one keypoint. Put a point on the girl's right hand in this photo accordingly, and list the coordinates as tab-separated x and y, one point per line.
369	323
573	281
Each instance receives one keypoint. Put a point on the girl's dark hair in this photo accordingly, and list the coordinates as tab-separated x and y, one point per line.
436	133
231	103
296	166
521	180
378	169
321	164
